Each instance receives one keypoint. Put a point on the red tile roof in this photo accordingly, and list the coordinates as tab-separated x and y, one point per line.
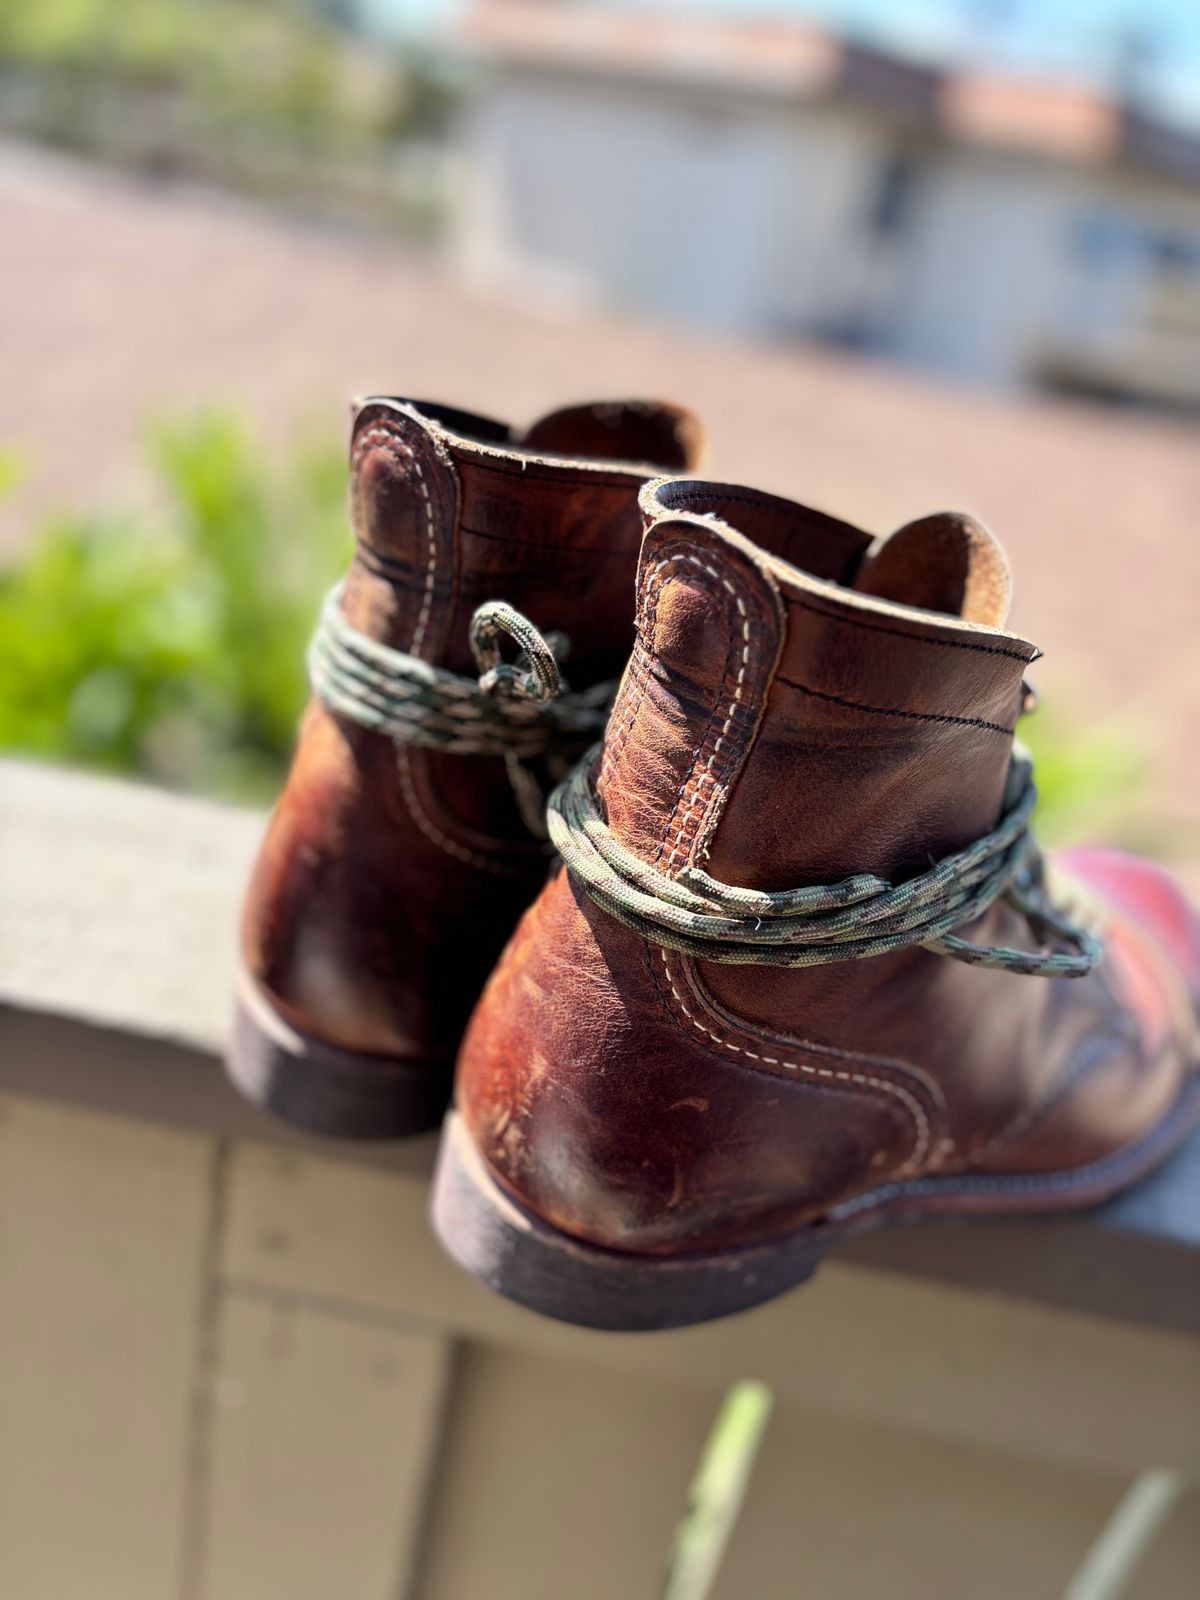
795	60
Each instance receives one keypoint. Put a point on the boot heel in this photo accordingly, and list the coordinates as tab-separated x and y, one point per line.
545	1270
343	1094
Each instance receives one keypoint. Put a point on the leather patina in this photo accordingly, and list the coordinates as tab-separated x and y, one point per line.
781	726
391	875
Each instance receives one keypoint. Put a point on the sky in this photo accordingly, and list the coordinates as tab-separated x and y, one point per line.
1079	38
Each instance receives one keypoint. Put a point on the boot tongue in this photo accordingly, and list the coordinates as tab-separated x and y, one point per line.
945	562
643	431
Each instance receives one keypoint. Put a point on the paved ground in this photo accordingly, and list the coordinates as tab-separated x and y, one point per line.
120	301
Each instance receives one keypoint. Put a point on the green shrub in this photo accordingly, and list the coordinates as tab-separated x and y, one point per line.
272	97
171	643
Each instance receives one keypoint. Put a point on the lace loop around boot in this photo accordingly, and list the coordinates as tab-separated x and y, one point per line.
521	712
541	682
860	917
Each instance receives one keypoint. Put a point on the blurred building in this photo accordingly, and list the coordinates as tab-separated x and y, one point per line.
772	179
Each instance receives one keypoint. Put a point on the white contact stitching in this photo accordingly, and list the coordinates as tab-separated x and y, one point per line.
431	566
739	684
385	436
909	1101
434	834
416	810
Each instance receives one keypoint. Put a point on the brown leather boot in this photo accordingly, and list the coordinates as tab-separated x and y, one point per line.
399	858
674	1095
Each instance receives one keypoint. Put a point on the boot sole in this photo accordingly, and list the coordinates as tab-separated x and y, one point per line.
343	1094
538	1266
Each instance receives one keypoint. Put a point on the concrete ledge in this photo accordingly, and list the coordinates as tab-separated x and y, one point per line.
117	933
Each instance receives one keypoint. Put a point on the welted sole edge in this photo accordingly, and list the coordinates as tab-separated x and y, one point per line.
342	1094
538	1266
524	1259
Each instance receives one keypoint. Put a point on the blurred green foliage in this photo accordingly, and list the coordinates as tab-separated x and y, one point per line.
718	1491
269	95
171	642
1091	780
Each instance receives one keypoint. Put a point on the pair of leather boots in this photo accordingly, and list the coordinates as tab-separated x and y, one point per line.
791	964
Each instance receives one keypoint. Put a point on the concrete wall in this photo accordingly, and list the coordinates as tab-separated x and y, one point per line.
234	1364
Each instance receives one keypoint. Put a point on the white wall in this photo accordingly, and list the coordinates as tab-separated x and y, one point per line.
820	275
715	212
756	216
983	266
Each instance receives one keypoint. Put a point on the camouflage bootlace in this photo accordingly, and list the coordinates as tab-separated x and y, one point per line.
520	711
860	917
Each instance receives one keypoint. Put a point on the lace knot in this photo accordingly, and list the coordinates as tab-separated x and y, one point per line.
521	712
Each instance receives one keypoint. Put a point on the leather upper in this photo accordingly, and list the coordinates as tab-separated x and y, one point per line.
782	727
390	876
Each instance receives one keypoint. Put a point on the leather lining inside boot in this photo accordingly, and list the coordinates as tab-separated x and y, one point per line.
622	430
947	562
